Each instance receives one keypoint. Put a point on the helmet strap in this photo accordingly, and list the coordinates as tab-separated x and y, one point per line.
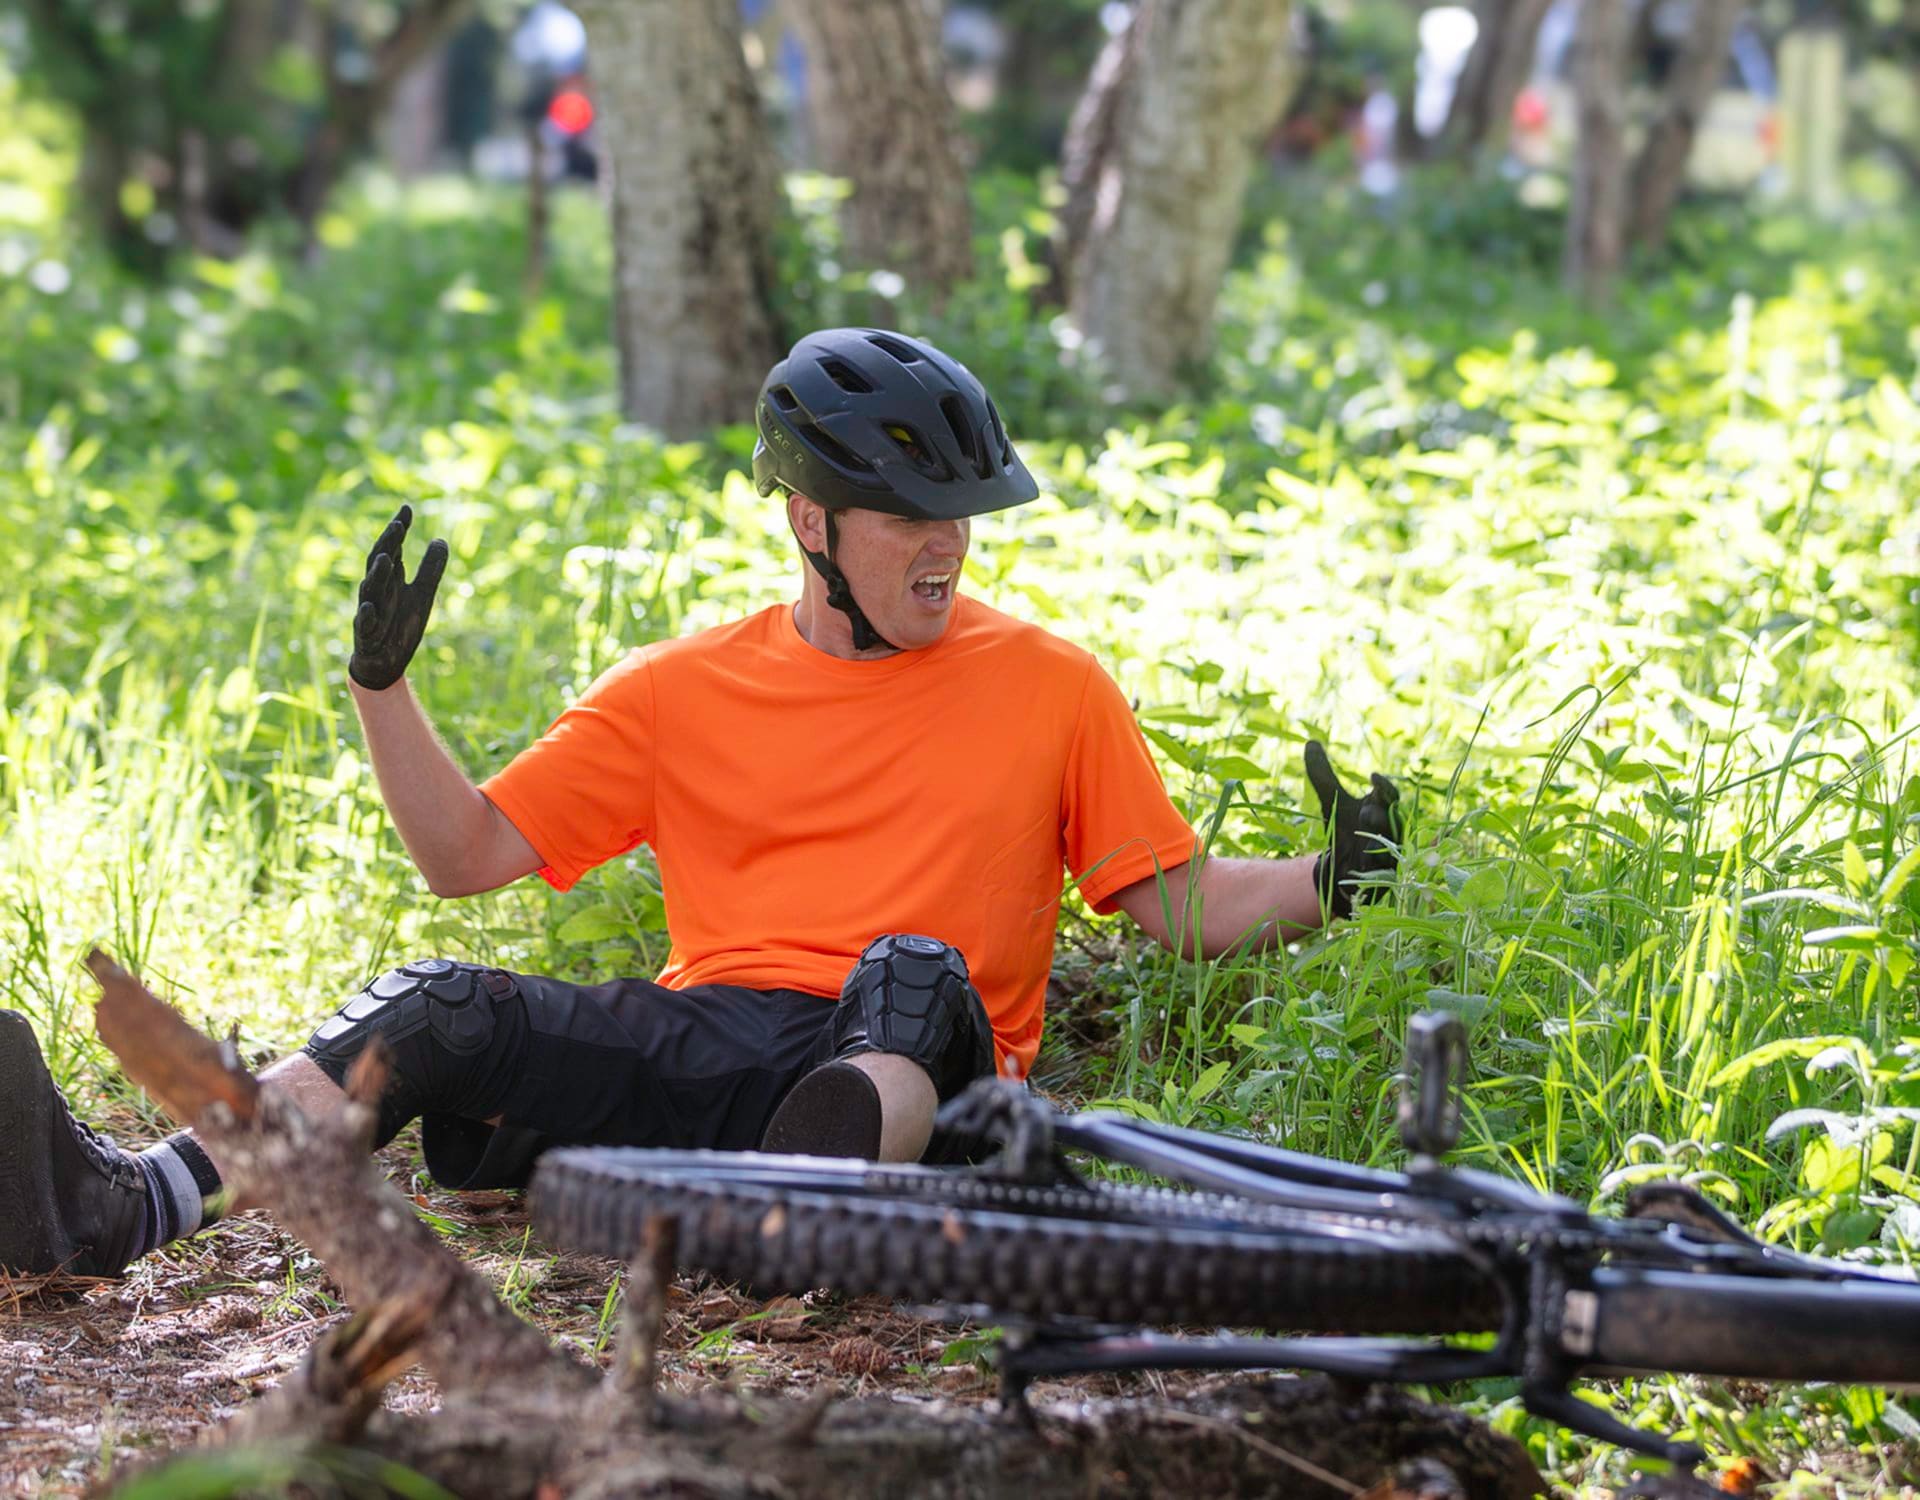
840	594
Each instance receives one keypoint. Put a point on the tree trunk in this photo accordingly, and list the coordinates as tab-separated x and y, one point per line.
1814	112
1089	148
413	132
225	176
1597	207
103	172
533	271
233	151
1157	164
880	117
1661	170
354	107
1467	115
694	196
1496	71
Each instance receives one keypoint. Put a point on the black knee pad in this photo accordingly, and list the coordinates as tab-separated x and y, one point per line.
912	995
453	1034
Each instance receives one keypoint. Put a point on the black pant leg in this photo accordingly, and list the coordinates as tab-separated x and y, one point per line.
632	1063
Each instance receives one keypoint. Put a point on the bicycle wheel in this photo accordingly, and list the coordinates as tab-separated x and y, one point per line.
1107	1253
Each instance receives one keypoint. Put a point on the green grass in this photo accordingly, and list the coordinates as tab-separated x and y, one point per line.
1627	602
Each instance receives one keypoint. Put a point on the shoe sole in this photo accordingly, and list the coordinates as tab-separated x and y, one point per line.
31	1240
833	1111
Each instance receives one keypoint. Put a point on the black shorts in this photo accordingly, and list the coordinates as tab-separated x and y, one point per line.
628	1063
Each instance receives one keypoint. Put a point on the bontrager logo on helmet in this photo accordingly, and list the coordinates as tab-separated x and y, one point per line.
869	419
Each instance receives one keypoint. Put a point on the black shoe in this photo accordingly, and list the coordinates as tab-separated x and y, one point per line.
70	1200
833	1111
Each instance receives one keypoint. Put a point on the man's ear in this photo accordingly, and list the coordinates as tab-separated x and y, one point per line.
809	522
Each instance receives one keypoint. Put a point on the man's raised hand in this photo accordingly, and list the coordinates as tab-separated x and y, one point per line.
1363	835
393	612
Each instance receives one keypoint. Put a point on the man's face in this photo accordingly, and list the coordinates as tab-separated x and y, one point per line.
904	574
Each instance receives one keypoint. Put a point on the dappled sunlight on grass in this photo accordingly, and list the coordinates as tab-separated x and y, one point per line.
1630	612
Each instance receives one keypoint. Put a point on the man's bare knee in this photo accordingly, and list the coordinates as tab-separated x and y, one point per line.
306	1083
300	1079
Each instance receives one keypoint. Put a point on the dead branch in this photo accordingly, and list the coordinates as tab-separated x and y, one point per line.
329	1398
159	1051
633	1384
315	1178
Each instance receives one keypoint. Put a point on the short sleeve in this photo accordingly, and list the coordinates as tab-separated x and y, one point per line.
583	792
1119	824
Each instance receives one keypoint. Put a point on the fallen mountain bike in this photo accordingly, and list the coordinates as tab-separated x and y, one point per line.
1259	1238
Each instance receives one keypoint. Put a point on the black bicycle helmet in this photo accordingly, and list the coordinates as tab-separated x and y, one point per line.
870	419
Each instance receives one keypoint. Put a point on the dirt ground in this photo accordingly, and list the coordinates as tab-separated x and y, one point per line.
91	1369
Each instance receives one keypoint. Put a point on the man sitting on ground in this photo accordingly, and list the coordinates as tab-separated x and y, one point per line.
860	803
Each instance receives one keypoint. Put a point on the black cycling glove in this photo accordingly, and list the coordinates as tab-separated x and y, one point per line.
1363	835
393	613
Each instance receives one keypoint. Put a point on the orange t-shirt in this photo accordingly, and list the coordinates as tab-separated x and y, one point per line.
799	804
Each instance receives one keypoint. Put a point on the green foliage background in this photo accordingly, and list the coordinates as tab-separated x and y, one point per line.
1627	601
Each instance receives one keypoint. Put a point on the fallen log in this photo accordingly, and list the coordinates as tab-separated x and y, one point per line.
522	1419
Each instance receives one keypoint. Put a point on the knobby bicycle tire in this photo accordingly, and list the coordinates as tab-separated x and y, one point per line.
1111	1254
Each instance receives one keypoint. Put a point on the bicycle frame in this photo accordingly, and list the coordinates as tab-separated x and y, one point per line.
1619	1304
1549	1291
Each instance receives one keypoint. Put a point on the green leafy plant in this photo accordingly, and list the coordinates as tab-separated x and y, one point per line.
1626	604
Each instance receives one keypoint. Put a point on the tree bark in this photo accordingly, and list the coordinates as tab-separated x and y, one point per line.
694	198
1661	170
225	179
1091	145
411	132
355	107
880	117
323	1187
1597	207
533	271
1496	71
1156	166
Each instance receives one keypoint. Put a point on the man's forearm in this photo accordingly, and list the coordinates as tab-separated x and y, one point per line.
1241	904
441	816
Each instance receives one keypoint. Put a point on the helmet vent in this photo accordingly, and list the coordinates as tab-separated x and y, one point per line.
831	448
846	377
955	411
1000	435
905	353
784	398
919	452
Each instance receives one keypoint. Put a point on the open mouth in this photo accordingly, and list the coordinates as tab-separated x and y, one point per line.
935	590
